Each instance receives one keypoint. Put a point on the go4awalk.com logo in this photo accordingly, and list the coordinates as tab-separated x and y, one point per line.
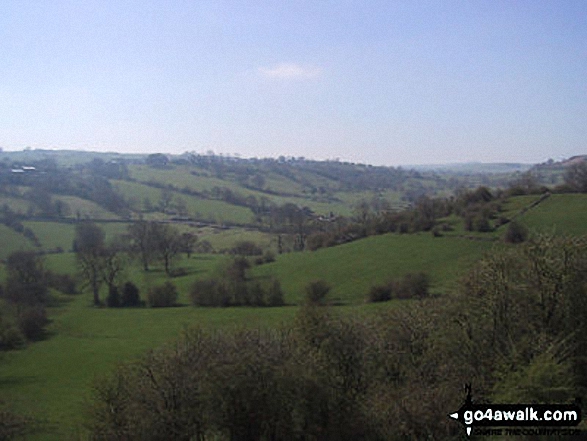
547	419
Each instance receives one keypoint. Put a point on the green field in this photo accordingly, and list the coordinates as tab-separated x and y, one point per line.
353	268
198	208
12	241
86	209
561	213
17	205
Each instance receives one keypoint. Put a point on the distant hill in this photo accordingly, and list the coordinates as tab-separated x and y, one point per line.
474	167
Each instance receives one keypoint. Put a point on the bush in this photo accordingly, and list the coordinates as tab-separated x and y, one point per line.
130	295
316	292
246	248
32	321
275	294
516	233
204	293
481	224
62	282
269	256
380	293
412	286
11	336
113	299
162	296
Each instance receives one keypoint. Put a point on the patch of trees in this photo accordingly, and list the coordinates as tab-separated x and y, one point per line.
112	169
101	263
23	300
152	242
162	296
576	177
411	286
157	160
230	287
516	330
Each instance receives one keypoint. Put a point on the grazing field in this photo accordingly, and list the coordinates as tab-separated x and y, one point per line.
17	205
53	235
561	213
83	209
50	379
12	241
353	268
198	208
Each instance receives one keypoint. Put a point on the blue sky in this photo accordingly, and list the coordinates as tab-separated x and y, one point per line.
380	82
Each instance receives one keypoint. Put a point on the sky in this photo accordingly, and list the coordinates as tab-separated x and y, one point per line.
378	82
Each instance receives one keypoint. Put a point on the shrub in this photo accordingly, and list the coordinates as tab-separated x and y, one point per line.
11	336
113	299
380	293
204	293
269	256
316	292
130	295
275	294
246	248
516	233
62	282
32	321
412	286
481	224
162	296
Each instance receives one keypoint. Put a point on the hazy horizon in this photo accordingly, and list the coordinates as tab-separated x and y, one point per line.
376	82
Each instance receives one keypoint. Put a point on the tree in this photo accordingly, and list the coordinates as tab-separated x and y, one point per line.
188	242
113	264
516	233
316	292
576	177
89	248
27	279
141	241
130	295
163	295
166	242
166	199
157	160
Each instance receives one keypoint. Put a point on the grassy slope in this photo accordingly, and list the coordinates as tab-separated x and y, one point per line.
12	241
181	177
562	213
353	268
203	209
17	205
85	208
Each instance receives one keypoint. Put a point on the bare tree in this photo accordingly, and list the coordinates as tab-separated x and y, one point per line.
141	242
89	248
166	243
